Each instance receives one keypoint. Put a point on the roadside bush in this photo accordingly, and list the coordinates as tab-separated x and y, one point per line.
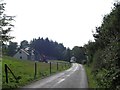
107	66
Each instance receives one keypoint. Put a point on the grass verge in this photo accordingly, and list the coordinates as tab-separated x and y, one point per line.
92	83
24	71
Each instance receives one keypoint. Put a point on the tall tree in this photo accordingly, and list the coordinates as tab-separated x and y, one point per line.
67	54
79	53
12	48
104	53
5	24
5	27
24	44
48	48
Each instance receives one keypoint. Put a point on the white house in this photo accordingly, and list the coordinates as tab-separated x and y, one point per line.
25	54
73	59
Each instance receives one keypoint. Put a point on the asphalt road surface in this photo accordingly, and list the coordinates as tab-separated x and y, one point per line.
75	77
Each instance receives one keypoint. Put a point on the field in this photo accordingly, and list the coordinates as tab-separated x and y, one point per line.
24	70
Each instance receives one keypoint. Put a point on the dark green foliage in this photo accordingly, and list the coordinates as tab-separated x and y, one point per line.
104	53
24	44
12	48
106	63
52	50
67	54
79	54
5	24
90	49
5	28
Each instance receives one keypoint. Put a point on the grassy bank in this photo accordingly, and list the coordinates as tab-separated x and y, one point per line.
91	79
0	73
24	71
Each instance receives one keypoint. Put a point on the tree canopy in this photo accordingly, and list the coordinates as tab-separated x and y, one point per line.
104	53
48	48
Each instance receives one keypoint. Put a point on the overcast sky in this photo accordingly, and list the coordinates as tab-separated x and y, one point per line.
70	22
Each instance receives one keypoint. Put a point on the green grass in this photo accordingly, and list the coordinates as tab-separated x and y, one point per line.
24	70
0	73
92	83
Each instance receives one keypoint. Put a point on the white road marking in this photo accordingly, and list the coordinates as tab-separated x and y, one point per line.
80	65
61	81
68	70
82	69
49	80
58	82
76	68
68	75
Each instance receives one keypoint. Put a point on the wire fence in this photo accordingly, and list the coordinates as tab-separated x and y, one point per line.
38	69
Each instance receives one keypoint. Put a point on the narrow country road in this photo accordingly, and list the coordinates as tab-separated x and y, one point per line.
75	77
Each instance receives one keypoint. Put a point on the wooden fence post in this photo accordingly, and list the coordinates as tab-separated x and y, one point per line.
6	73
57	66
35	68
50	67
65	65
70	64
62	65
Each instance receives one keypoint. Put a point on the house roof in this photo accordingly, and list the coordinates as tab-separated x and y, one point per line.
73	58
25	51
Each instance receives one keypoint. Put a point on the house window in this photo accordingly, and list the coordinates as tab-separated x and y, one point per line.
20	52
20	57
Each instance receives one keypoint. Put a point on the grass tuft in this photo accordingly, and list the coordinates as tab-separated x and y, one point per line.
92	83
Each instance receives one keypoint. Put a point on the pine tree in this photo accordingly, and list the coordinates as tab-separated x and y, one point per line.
5	24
